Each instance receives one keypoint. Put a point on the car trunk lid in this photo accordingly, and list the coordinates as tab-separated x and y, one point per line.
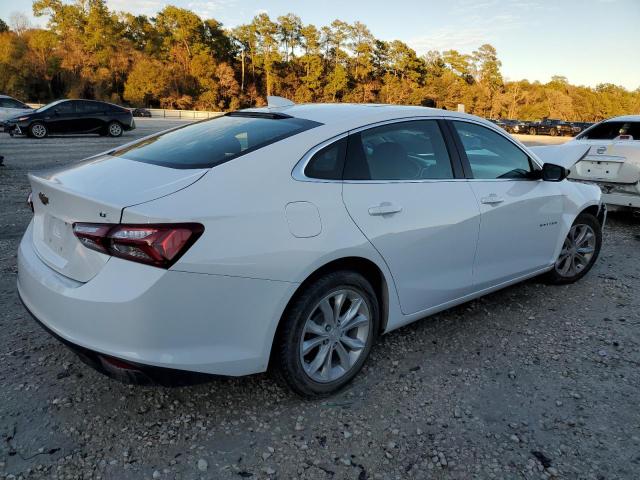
95	191
617	162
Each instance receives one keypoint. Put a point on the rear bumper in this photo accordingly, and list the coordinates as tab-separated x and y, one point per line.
621	199
125	371
148	316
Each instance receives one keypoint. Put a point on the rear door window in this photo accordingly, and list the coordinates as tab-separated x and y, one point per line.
212	142
65	107
89	107
412	150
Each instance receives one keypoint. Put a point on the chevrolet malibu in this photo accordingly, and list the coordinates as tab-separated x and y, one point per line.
292	236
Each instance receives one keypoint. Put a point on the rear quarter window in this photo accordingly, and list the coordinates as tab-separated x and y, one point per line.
212	142
328	162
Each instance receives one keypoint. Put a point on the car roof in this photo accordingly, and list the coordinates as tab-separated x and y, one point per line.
353	115
624	118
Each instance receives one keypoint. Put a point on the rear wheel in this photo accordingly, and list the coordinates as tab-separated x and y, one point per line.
38	130
532	131
553	132
327	334
579	251
114	129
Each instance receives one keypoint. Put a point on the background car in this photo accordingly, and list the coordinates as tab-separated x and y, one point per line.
293	236
552	127
613	161
10	107
581	126
141	112
72	116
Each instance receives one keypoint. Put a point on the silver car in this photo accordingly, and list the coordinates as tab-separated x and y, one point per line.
10	107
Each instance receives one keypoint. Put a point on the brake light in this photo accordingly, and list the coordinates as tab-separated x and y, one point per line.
160	245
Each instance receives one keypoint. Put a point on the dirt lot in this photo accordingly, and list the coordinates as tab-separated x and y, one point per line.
530	382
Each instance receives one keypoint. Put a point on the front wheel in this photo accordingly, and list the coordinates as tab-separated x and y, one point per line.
327	334
579	251
553	132
532	131
114	129
38	130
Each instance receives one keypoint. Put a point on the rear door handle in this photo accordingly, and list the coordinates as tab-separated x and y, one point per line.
385	208
492	199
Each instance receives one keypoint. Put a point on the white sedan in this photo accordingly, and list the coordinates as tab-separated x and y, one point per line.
291	237
613	160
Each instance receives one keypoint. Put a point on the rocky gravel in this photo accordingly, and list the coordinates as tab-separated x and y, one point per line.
532	382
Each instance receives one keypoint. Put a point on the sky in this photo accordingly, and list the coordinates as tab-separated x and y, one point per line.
587	41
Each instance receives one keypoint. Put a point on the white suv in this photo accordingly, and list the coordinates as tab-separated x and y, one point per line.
292	236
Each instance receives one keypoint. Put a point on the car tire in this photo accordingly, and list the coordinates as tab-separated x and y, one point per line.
572	264
553	132
532	131
114	129
309	330
37	130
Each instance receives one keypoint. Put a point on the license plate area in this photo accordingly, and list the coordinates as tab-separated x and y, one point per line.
599	170
57	235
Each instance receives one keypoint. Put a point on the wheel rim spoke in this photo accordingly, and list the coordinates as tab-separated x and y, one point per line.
313	328
319	360
309	345
343	355
352	343
327	312
338	301
356	321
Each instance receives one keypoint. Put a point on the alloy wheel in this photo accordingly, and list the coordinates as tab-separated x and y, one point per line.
577	251
335	335
39	131
115	130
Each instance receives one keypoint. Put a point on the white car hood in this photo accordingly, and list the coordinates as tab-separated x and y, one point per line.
565	155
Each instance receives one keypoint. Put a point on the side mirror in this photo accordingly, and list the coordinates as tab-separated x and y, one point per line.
554	173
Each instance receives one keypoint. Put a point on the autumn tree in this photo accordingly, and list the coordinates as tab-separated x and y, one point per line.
177	59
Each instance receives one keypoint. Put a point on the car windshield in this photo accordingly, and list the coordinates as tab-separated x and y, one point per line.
212	142
49	105
611	130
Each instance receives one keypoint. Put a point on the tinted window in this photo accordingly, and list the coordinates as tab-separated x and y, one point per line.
412	150
212	142
490	154
328	163
610	130
90	107
64	107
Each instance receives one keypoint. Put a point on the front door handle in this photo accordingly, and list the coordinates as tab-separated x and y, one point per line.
385	208
492	199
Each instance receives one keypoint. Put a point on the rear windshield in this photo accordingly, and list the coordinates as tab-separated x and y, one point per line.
212	142
610	130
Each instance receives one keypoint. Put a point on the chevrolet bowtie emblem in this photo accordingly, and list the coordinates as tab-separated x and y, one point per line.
43	198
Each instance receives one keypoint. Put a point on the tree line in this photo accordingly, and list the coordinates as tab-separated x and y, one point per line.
179	60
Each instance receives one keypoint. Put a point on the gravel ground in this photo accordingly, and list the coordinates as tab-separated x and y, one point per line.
531	382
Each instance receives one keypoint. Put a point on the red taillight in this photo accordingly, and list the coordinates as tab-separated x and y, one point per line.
160	245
